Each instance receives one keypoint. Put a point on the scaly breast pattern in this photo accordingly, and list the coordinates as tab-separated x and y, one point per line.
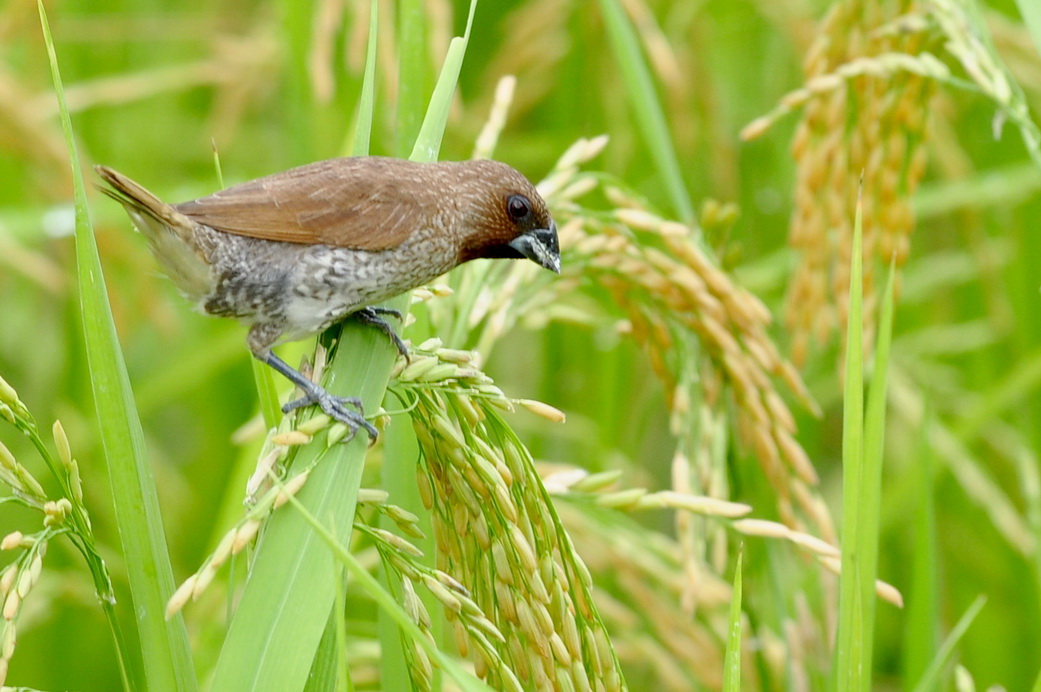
302	289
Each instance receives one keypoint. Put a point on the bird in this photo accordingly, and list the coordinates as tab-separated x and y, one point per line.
292	253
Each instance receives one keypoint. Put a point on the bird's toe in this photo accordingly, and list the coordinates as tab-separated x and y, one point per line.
336	407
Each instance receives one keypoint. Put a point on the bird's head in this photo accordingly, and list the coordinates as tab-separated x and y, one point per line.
505	217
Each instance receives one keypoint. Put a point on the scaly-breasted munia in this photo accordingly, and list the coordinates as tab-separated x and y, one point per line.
295	252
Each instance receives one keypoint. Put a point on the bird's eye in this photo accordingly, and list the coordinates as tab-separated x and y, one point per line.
518	207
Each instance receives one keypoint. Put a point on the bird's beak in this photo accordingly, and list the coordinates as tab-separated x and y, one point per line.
540	246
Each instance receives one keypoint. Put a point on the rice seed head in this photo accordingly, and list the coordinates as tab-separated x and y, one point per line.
7	643
244	535
11	404
13	602
181	596
498	539
15	539
864	115
542	410
8	577
61	443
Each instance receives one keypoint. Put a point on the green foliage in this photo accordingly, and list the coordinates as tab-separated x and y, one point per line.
166	662
668	460
732	662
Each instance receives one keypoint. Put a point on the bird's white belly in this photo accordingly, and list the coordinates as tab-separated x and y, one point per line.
330	283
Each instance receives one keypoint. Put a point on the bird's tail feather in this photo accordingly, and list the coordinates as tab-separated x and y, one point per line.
170	233
134	196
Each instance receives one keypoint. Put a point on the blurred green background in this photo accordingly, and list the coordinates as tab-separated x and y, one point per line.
155	85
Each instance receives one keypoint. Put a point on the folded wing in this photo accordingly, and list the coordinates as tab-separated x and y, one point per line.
365	203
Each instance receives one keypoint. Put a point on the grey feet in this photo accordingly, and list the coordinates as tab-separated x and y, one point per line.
346	410
371	315
335	406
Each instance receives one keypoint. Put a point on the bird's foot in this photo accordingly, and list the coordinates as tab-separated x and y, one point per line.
372	315
337	408
312	399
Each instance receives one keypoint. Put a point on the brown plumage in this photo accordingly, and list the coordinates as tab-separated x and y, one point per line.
294	252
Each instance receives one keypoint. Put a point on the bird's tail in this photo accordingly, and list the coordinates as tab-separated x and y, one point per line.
135	197
170	233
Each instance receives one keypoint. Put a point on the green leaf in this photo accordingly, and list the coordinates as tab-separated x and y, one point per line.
389	605
930	680
413	68
849	645
862	451
165	655
923	604
643	98
291	588
367	100
732	659
1031	13
267	393
428	143
870	490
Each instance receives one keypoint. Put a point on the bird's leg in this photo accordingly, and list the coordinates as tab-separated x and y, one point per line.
334	406
371	315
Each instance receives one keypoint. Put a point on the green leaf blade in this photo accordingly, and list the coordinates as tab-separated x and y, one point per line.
643	98
165	654
849	645
732	658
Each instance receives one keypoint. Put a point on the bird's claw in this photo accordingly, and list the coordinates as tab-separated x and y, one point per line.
309	400
336	408
372	315
379	310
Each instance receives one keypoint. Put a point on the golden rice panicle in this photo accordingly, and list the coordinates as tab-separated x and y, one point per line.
672	648
498	536
474	633
705	337
678	301
864	121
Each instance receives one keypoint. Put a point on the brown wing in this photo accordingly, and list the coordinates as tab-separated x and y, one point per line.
364	203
